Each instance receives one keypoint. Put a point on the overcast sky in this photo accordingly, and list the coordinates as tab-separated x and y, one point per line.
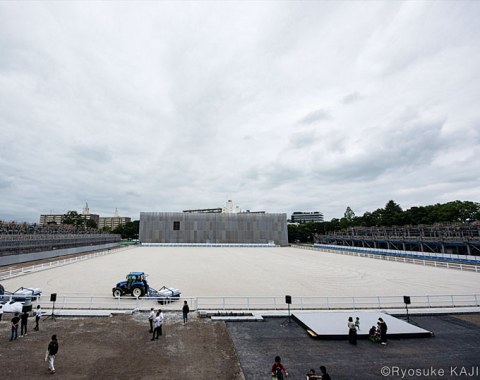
279	106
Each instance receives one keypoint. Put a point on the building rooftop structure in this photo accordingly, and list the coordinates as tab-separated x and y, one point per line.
229	208
307	216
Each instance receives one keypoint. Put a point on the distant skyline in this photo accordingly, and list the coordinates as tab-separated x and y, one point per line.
278	106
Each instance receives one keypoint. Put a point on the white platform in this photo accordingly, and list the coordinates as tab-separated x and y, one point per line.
328	325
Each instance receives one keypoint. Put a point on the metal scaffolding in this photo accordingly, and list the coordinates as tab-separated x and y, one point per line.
462	239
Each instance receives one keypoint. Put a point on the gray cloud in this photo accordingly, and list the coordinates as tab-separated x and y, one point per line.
352	98
316	116
167	106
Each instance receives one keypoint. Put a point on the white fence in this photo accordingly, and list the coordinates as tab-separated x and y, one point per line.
127	303
401	259
57	263
260	303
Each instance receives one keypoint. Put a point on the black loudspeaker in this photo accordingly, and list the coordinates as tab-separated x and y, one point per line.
288	299
406	300
53	297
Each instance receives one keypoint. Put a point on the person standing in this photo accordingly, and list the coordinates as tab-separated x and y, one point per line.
278	369
52	351
151	317
185	311
383	330
38	315
23	323
158	325
357	323
324	374
1	312
15	321
352	331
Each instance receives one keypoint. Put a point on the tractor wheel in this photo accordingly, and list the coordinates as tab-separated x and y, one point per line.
117	292
138	291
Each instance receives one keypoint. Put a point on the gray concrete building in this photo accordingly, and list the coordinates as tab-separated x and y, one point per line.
304	217
210	228
51	218
58	218
112	221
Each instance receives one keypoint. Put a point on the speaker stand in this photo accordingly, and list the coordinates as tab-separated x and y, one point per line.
287	322
52	316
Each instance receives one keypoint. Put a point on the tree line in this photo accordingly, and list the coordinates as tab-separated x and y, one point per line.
128	230
391	215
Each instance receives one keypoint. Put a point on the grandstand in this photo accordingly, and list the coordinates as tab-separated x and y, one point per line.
462	239
24	238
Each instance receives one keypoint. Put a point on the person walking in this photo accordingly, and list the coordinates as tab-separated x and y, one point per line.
151	317
15	321
23	323
158	325
185	311
278	369
38	315
383	330
352	331
1	312
52	351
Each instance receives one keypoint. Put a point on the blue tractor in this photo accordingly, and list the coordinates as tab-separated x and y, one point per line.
135	284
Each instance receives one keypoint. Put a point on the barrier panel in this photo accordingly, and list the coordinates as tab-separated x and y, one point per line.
468	259
222	303
335	302
382	255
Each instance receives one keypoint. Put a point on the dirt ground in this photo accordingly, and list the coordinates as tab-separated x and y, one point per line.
119	347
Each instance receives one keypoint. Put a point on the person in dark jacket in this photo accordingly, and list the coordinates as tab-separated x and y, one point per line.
185	311
23	323
15	321
324	374
352	331
52	351
383	330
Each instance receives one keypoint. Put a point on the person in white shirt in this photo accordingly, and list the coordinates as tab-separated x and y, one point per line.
158	321
151	317
38	315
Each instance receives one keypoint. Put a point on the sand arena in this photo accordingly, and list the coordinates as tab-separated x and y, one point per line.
225	271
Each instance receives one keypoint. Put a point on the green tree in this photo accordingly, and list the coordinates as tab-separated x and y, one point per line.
90	223
73	218
349	215
347	219
392	214
129	230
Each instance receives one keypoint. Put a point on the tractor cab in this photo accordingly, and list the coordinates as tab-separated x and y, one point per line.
133	277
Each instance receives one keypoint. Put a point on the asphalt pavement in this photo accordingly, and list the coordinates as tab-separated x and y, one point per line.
453	352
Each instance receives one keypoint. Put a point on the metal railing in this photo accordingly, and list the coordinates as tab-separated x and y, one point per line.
222	303
336	302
